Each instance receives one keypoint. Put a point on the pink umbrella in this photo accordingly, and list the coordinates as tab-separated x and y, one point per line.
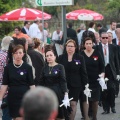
84	14
23	14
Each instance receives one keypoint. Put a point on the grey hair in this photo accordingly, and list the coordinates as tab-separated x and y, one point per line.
82	26
39	103
5	42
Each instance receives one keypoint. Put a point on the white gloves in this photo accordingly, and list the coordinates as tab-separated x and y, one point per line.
102	82
118	77
87	92
66	100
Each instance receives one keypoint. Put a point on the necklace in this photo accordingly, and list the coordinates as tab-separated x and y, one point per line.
50	69
18	66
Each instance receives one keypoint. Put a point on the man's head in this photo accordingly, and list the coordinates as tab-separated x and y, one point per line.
27	24
17	30
82	26
37	22
58	30
113	25
70	25
97	37
117	31
99	26
5	42
45	25
110	37
104	37
40	27
39	104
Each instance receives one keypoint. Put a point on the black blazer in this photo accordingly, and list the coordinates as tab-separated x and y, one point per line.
76	74
114	41
113	58
23	30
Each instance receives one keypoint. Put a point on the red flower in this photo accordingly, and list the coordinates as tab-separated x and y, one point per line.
95	57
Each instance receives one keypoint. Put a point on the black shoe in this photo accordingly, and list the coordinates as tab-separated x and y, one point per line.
113	110
105	112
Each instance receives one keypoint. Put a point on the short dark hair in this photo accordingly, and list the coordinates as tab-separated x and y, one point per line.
17	47
112	21
91	24
70	25
86	39
17	27
99	25
49	48
25	23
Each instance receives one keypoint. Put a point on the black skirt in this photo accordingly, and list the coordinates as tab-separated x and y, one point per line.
95	94
15	96
57	89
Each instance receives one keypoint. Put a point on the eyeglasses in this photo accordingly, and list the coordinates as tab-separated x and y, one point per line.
70	46
104	37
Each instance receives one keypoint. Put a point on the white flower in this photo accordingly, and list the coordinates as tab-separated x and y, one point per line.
21	73
56	72
76	63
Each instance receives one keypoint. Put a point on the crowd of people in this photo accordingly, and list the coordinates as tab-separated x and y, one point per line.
29	58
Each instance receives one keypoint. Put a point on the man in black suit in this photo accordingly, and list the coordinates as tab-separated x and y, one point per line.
110	58
25	29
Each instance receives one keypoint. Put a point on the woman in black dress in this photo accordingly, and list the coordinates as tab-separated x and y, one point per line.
19	78
76	77
53	77
95	67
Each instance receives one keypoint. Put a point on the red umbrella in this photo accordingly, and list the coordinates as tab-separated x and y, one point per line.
84	14
23	14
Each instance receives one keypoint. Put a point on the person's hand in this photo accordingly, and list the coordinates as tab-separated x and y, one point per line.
118	77
66	100
102	75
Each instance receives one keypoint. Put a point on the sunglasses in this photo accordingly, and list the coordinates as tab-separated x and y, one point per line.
104	37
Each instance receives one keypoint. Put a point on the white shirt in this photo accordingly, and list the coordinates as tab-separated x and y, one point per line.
56	36
107	53
79	36
92	29
113	33
44	39
34	31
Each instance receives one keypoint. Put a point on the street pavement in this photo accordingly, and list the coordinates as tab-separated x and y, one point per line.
110	116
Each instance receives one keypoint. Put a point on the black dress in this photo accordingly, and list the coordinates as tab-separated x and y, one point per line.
76	74
94	66
54	78
18	81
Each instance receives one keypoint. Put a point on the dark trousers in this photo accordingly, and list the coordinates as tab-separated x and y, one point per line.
108	96
117	88
5	111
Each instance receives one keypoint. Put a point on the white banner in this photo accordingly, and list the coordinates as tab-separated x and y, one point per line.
54	2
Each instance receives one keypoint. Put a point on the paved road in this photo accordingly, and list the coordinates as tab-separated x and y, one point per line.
110	116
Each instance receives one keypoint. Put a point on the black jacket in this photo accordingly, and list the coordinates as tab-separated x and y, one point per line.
76	74
113	58
38	63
